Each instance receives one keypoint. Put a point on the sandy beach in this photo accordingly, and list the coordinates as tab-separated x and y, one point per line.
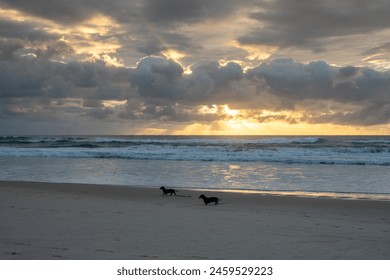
78	221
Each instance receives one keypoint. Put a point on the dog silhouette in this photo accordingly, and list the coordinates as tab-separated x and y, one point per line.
208	200
167	191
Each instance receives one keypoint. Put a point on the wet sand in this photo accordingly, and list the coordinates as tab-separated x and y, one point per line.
78	221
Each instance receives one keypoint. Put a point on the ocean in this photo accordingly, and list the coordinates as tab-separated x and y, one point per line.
341	166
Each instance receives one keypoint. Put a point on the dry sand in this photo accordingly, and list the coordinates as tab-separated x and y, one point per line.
75	221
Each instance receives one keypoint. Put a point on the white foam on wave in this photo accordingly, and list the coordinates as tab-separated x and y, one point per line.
209	141
327	155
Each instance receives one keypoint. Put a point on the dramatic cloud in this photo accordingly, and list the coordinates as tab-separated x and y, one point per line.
301	22
361	95
17	30
179	11
133	66
59	10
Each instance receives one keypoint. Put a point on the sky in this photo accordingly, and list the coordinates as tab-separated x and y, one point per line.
179	67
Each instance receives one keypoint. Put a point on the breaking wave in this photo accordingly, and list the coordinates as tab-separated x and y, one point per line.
304	150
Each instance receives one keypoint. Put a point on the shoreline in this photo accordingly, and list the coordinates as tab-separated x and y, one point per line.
85	221
287	193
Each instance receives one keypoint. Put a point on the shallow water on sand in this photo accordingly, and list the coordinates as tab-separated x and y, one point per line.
340	180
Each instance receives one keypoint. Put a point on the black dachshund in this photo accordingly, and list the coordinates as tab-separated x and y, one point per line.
208	200
167	191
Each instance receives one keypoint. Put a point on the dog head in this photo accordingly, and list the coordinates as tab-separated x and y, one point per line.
202	196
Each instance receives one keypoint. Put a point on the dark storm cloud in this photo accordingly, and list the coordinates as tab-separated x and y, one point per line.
162	82
59	10
56	49
21	80
286	23
154	26
55	95
147	43
43	75
100	113
23	38
150	46
8	47
157	78
174	113
24	31
167	113
173	11
370	114
361	95
158	89
39	77
318	80
156	11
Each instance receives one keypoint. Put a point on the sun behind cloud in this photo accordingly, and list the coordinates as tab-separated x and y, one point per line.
194	67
